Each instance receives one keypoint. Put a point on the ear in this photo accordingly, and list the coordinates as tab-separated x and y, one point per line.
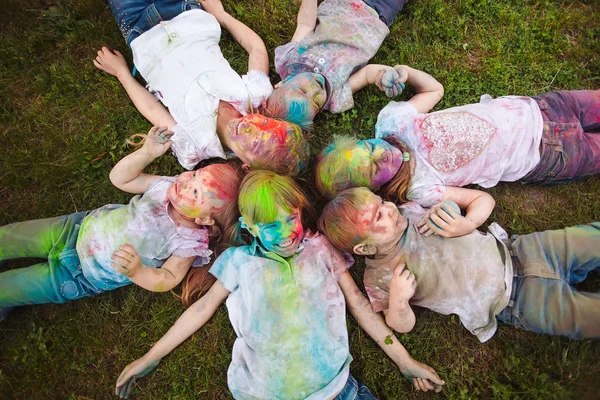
364	249
278	84
204	221
246	168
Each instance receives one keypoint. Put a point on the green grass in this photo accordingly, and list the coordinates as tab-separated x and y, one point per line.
63	125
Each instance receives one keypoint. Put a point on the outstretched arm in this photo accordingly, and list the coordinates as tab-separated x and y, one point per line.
258	58
429	90
386	78
127	261
307	19
423	377
113	62
190	321
127	174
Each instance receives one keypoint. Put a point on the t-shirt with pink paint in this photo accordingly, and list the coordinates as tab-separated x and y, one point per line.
470	276
289	316
145	224
482	143
347	36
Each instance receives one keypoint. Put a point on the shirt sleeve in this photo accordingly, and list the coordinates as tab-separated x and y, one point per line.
379	294
196	144
426	185
259	86
225	269
282	55
339	262
397	118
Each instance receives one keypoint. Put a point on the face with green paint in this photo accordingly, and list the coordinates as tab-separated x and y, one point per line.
282	236
373	162
306	89
253	137
197	194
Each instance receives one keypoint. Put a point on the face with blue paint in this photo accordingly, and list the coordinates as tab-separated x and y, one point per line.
307	90
282	236
373	162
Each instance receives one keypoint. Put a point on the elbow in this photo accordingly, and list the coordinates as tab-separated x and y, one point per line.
400	326
114	178
440	91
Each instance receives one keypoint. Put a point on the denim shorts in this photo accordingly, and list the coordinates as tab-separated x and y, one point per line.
387	9
135	17
355	389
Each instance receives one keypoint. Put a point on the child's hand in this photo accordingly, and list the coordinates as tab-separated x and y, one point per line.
157	142
137	369
126	260
213	7
445	221
403	284
111	62
391	81
422	376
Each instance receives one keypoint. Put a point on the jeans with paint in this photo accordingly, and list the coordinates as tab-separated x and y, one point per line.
546	264
355	389
387	9
135	17
570	147
57	280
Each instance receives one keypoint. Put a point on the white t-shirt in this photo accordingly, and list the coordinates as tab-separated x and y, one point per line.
290	320
145	224
185	69
481	143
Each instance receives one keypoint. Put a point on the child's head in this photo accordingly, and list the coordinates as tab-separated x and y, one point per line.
266	143
273	208
298	99
207	195
349	162
360	222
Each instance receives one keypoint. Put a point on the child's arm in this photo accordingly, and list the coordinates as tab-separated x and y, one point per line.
307	19
423	376
127	174
386	78
400	316
189	322
258	58
113	62
429	90
126	261
478	205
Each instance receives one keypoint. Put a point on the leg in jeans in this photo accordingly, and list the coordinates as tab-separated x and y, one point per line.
51	281
135	17
550	262
355	390
571	136
387	9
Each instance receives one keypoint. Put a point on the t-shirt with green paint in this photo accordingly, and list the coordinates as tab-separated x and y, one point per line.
290	320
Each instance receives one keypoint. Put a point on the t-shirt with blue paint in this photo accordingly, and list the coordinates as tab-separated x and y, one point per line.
145	224
290	320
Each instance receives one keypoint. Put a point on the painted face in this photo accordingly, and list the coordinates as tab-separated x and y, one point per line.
381	222
282	236
373	162
307	90
197	194
252	137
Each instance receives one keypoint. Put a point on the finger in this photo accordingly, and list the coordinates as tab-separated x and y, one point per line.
443	214
416	384
119	268
425	228
438	388
97	64
129	249
122	261
152	130
420	384
435	378
433	228
129	386
399	268
436	219
428	385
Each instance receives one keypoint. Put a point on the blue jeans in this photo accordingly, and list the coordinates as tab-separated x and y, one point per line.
135	17
57	280
570	147
387	9
546	264
355	389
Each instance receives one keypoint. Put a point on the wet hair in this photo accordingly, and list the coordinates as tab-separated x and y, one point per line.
262	192
279	107
288	158
339	218
333	175
221	234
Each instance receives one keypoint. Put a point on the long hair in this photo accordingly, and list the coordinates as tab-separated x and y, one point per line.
221	234
395	190
262	192
339	218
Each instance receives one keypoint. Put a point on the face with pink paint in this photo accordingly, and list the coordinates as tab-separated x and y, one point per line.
305	91
373	162
196	194
282	236
381	225
254	136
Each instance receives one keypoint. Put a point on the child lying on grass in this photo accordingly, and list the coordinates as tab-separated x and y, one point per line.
480	277
286	297
324	64
152	241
